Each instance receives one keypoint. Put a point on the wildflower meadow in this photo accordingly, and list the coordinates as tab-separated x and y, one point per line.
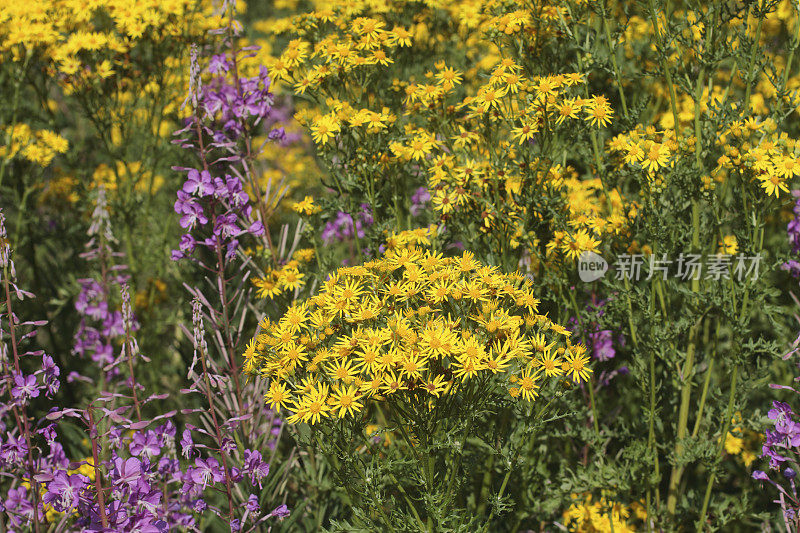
463	266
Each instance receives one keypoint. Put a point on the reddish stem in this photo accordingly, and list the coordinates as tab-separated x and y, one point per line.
23	427
217	431
98	475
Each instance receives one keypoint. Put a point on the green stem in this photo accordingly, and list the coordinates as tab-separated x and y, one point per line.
725	426
688	369
613	54
422	526
704	394
750	65
14	110
667	72
590	386
457	463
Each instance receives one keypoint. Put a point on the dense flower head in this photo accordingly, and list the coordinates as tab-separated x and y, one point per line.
412	322
218	204
232	105
285	278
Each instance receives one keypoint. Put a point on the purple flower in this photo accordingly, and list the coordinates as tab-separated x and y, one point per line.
127	471
199	183
13	450
218	63
192	214
63	492
18	504
200	506
183	203
225	226
793	232
256	228
49	433
602	345
419	200
51	373
187	243
780	411
145	444
115	437
278	134
187	444
344	226
252	504
24	387
207	471
760	475
281	512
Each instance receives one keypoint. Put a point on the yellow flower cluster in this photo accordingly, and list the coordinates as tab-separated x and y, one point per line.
126	62
602	516
645	149
325	127
75	35
129	173
749	145
752	147
412	323
741	442
58	189
363	42
286	278
37	146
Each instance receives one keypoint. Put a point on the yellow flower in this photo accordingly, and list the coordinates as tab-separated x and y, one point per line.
550	363
399	37
325	128
787	167
728	245
575	365
528	385
345	400
525	132
733	444
598	111
567	109
353	336
575	245
277	395
772	184
656	157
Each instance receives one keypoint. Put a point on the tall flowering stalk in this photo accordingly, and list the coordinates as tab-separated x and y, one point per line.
218	428
215	209
102	326
782	442
18	451
217	213
134	477
782	448
793	232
